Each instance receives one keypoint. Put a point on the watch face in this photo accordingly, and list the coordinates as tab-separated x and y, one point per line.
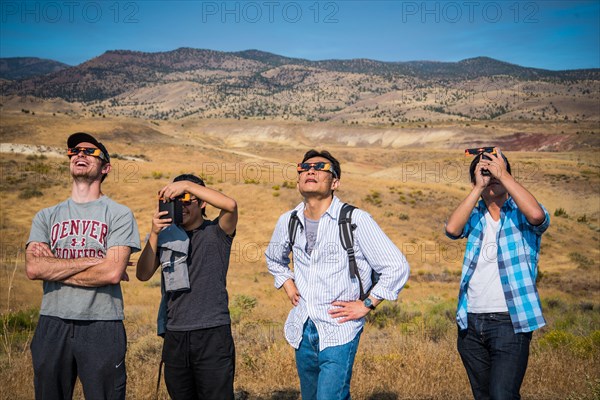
368	303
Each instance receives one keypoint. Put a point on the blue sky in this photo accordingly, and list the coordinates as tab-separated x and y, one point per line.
544	34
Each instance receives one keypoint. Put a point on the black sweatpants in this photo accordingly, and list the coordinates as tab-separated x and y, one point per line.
93	350
200	364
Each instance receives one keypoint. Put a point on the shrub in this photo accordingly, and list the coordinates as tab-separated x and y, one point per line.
391	314
560	212
554	303
581	346
241	306
19	321
374	198
157	174
30	192
582	261
436	326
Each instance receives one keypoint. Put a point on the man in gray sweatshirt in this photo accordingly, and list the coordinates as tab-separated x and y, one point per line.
80	249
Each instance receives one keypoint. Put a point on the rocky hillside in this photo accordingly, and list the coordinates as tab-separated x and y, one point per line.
255	84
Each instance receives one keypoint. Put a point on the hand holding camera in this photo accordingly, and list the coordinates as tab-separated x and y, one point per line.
173	208
481	153
490	163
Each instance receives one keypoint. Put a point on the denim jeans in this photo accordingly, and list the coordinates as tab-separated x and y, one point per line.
494	356
324	375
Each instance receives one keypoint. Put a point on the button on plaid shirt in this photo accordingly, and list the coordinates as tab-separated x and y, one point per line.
518	254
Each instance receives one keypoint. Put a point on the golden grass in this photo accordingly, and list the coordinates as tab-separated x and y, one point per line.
398	361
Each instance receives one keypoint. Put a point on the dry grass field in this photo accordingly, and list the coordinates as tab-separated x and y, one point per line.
408	178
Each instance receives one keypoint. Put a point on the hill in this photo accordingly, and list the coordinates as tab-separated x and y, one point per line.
258	85
408	179
26	67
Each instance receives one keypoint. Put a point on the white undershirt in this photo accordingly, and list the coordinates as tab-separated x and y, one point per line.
485	294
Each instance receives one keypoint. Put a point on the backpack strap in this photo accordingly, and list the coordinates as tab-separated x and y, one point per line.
293	227
347	239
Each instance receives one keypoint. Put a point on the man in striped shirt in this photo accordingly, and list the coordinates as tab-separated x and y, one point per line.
498	302
327	319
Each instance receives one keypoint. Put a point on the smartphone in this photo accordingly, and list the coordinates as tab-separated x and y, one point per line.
174	211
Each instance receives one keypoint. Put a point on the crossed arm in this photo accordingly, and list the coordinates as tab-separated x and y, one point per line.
41	264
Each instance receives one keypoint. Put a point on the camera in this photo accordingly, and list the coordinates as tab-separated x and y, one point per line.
481	152
173	207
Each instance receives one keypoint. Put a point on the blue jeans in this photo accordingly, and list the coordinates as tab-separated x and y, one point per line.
324	375
494	356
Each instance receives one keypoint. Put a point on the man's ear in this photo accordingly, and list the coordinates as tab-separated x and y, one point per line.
335	184
106	168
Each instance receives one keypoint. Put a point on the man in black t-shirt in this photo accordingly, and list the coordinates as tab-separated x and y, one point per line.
198	350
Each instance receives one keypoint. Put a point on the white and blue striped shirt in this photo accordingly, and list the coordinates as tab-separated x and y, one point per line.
324	276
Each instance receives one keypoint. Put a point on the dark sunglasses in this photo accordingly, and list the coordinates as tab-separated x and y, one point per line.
318	166
88	151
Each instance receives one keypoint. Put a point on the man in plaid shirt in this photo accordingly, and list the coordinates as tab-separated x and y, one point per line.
498	302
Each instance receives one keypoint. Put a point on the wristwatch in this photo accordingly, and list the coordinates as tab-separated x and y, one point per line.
368	303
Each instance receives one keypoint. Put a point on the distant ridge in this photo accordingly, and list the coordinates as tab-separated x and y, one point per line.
258	84
25	67
184	58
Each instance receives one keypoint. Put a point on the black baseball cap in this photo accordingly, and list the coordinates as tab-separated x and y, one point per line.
81	137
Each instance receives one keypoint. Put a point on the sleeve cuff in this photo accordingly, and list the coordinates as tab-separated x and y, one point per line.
280	279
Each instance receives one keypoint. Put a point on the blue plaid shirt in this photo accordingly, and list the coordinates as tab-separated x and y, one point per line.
518	254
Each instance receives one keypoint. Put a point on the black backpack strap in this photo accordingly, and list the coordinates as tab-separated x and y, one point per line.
293	227
347	239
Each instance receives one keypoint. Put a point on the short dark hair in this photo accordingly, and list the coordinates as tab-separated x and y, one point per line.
194	179
476	161
335	164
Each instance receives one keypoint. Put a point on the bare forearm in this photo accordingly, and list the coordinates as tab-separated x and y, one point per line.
98	275
526	202
460	216
148	261
56	269
213	197
108	272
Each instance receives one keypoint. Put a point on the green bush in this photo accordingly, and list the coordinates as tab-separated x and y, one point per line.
241	306
30	192
436	326
582	261
580	346
560	212
391	314
17	328
24	320
374	198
